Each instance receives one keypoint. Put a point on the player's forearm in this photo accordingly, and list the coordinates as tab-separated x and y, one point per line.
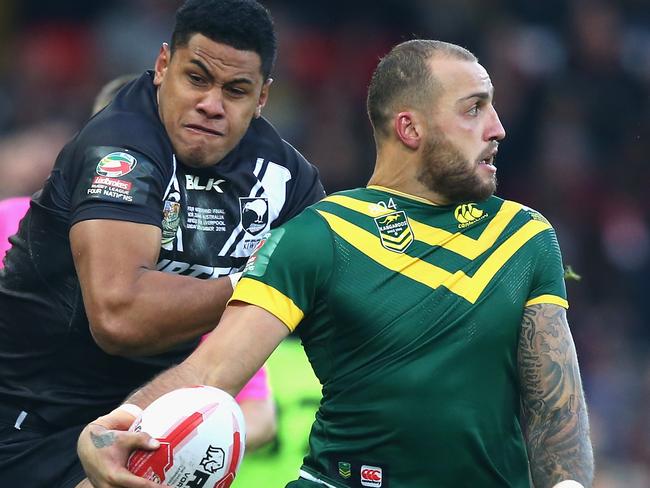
554	413
559	447
157	312
180	376
226	360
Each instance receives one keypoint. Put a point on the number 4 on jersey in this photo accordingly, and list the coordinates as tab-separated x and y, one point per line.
391	204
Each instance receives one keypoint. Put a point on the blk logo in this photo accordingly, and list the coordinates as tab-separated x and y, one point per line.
194	183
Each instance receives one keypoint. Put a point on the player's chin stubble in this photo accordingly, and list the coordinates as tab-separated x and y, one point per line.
446	172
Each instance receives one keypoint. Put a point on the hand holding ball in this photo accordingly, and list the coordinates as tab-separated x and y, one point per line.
202	437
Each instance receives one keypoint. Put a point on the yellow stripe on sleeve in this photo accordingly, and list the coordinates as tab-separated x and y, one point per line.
273	301
554	299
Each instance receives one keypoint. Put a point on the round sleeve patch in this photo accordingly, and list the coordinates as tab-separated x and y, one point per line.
116	165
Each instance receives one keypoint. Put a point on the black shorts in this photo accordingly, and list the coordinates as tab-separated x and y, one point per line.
37	456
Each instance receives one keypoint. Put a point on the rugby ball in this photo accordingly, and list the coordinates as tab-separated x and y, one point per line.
202	436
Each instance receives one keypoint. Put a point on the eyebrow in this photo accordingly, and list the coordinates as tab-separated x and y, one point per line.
207	73
483	95
203	67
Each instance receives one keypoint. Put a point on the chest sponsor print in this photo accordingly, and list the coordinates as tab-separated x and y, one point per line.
111	187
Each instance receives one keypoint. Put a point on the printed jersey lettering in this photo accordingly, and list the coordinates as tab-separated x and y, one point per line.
111	188
194	183
209	229
193	270
206	219
113	175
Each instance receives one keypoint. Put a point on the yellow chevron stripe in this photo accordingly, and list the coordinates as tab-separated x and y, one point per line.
369	244
555	300
404	235
462	244
397	247
428	274
366	208
433	236
473	287
265	296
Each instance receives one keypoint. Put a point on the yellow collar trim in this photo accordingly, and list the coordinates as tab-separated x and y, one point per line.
402	194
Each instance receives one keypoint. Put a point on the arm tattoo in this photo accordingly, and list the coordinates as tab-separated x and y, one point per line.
554	413
104	439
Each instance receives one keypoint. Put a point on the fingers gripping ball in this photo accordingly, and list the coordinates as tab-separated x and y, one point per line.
202	436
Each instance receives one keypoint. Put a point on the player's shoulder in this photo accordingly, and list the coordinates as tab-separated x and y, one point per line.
130	122
522	213
309	220
341	197
306	234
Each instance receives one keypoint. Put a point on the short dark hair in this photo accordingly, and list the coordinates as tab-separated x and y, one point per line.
404	77
243	24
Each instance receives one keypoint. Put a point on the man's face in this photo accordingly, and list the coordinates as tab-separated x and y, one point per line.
208	93
464	130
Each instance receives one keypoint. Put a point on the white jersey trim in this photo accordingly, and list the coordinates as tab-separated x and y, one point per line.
309	477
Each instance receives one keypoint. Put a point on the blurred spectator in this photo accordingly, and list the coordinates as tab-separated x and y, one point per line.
12	211
27	156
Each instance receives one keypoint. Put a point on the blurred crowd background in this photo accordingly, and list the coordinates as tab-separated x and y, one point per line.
572	82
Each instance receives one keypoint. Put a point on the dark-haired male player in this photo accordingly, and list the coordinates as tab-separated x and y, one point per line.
177	179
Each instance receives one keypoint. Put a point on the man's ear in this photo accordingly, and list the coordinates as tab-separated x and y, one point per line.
264	96
162	63
408	129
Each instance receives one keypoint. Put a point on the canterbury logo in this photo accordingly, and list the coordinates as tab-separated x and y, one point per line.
371	476
467	214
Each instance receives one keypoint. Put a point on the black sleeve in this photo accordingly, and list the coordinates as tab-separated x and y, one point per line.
119	184
304	188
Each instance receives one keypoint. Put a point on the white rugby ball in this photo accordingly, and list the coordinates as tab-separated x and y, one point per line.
202	437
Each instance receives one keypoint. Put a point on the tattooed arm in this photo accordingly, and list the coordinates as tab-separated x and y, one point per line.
554	413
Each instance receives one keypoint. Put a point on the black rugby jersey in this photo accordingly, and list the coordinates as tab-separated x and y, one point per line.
121	166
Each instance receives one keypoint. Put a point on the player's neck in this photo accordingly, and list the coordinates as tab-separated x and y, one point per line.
399	172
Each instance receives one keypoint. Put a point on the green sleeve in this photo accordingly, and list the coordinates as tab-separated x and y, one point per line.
548	282
289	269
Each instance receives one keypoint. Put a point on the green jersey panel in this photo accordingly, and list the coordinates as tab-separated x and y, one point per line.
410	316
287	272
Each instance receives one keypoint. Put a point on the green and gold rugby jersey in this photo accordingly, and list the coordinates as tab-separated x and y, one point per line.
410	315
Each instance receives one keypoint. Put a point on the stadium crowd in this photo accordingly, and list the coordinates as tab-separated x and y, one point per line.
573	92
